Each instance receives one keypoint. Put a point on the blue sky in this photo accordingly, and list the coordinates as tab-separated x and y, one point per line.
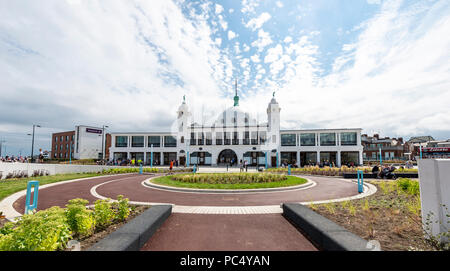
381	65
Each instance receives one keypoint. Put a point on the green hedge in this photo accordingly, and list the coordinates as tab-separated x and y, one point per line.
333	171
229	178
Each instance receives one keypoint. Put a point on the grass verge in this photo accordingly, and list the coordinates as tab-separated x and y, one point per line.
11	186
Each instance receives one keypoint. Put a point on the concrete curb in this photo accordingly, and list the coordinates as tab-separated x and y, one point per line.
324	233
308	184
134	234
6	205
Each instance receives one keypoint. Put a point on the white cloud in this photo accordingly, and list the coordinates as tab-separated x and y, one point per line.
255	58
372	2
288	39
263	40
231	35
257	22
104	64
219	9
249	6
279	4
273	54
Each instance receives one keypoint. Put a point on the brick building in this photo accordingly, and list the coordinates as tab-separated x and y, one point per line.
391	148
63	141
61	144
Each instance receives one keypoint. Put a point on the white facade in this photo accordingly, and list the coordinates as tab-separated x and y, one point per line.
88	142
236	136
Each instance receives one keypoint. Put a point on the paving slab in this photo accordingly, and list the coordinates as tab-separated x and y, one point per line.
210	232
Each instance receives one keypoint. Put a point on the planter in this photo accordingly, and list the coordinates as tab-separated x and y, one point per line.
133	235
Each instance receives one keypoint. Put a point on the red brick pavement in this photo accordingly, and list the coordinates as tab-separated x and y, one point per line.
206	232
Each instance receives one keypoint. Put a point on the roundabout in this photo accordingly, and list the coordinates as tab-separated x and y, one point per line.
137	188
232	220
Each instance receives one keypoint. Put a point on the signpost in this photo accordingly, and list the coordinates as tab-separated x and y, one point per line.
30	207
360	181
381	158
265	156
151	156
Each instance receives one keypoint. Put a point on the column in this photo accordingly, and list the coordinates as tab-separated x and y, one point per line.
128	156
145	157
360	157
298	159
161	158
318	157
338	158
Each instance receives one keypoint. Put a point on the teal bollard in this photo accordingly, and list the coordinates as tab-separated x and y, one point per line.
140	169
289	169
195	169
360	174
30	207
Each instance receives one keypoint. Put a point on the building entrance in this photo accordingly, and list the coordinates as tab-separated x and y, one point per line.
226	157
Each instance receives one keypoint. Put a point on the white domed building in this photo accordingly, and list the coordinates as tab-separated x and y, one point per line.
236	136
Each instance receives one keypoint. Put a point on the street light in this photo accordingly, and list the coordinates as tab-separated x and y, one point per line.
103	141
1	146
32	142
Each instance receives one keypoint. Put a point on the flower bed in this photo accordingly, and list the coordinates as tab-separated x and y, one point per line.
145	170
51	229
230	178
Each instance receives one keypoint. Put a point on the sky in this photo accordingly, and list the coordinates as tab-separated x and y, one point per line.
379	65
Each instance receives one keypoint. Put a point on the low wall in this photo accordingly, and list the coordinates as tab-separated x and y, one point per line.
434	175
51	169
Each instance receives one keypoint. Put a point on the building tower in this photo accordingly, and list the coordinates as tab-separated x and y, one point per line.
236	97
273	129
183	121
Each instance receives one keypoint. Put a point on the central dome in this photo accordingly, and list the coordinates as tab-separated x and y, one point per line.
234	116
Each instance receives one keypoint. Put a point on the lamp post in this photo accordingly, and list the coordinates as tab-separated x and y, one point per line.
32	141
103	141
1	146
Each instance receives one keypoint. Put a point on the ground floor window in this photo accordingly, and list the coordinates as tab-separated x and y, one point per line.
137	156
254	158
288	158
350	158
200	158
328	158
308	158
156	158
169	156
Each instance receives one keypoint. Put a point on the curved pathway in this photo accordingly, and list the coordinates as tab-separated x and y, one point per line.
132	187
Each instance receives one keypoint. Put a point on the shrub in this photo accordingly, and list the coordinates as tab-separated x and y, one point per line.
123	208
408	186
80	219
103	213
45	230
230	178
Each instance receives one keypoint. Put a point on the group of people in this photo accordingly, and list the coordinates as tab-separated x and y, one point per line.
13	159
385	172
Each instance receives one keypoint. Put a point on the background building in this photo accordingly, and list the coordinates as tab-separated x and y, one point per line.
85	142
61	144
391	148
